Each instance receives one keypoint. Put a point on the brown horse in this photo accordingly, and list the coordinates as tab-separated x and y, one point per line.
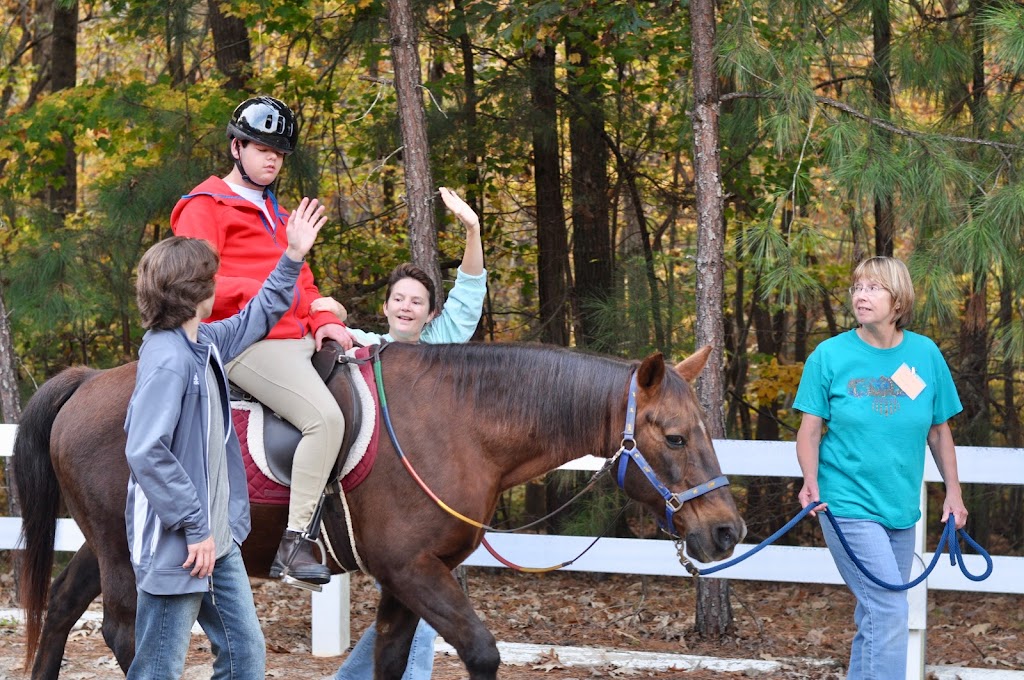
473	419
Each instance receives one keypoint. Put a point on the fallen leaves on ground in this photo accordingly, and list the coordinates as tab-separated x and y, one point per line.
772	621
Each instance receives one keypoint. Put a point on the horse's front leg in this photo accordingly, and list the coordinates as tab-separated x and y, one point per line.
72	591
429	589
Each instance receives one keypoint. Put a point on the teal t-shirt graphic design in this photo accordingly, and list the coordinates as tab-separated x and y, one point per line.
882	391
871	458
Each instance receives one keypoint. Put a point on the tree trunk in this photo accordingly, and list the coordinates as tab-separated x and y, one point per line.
10	402
736	332
231	49
419	183
10	398
767	495
974	394
974	323
175	32
881	87
714	614
627	173
553	284
41	25
713	606
1011	418
474	150
591	241
62	195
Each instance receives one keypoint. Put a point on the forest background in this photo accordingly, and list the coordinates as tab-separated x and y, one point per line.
578	130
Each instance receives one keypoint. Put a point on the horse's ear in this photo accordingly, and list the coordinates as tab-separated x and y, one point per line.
691	366
651	371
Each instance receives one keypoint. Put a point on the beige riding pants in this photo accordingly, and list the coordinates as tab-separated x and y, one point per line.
279	374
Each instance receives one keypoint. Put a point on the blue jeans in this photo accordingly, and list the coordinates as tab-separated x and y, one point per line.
359	664
879	650
163	628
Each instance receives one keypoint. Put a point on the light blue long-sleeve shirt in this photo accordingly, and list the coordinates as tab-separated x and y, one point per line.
457	321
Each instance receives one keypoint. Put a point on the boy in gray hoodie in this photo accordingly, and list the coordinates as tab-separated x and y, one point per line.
188	505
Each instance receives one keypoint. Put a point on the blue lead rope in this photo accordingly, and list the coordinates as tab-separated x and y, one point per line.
948	539
763	544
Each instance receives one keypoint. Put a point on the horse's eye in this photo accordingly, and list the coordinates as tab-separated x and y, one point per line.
676	441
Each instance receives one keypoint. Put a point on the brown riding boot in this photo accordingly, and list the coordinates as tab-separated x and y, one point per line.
295	558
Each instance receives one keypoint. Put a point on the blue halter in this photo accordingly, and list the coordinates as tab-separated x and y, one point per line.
628	451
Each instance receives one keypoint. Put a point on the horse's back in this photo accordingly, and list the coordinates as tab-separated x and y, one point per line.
87	447
95	413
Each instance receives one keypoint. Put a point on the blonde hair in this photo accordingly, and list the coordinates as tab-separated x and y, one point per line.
174	276
892	275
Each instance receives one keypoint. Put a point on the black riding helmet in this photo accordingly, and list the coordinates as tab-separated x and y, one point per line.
263	120
266	121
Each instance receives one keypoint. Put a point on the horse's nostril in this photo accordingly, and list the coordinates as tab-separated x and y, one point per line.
725	537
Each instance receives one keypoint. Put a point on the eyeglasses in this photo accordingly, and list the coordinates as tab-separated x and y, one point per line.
870	289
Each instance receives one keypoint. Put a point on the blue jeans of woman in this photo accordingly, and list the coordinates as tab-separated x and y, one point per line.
163	628
359	664
879	650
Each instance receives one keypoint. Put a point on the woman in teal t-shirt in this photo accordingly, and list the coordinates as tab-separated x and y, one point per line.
871	399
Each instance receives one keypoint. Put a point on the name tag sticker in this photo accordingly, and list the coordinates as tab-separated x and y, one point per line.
908	380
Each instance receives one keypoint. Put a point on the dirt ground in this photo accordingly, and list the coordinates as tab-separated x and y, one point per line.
807	628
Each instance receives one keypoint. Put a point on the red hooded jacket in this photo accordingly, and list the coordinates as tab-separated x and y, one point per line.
249	249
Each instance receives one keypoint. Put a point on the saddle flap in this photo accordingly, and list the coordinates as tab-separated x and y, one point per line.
326	359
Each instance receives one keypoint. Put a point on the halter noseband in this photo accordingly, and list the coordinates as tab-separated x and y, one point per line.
628	451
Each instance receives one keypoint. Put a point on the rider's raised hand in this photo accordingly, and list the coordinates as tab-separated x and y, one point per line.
303	225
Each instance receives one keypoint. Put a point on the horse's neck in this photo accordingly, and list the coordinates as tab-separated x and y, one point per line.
528	410
529	456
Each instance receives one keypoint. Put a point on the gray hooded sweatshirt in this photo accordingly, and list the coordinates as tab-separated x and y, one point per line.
168	428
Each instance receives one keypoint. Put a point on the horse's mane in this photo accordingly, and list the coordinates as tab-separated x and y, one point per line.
553	393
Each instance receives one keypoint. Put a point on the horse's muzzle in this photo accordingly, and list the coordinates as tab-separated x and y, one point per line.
717	542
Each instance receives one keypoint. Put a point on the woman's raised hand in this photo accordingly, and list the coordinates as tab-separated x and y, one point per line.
473	257
459	208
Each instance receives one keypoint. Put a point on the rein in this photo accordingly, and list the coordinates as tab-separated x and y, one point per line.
386	416
673	502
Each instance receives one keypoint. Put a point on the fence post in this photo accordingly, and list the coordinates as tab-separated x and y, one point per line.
331	626
917	599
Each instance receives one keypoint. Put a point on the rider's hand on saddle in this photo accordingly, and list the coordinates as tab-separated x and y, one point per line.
336	332
201	557
303	225
329	304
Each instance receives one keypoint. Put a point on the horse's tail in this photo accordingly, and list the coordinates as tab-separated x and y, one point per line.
39	495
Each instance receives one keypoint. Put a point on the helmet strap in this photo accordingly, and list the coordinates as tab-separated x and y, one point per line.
241	170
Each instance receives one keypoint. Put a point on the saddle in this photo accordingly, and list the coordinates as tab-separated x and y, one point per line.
281	437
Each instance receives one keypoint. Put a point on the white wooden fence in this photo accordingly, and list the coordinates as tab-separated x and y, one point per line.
977	465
